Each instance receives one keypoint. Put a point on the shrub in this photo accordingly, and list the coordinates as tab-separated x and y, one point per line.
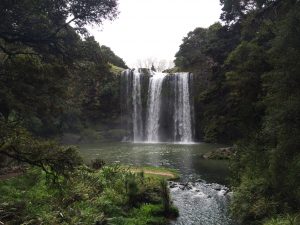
165	195
97	163
284	220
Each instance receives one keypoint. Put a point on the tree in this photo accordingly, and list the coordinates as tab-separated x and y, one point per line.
18	144
160	65
42	57
97	86
264	167
111	57
203	52
237	10
39	24
153	68
246	88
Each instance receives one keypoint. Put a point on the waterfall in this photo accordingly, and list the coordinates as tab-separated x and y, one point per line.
154	105
137	107
182	109
157	106
126	101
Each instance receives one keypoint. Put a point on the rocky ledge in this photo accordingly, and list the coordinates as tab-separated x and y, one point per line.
220	154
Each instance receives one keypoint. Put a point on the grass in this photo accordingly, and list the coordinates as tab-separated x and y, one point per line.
113	194
158	172
115	69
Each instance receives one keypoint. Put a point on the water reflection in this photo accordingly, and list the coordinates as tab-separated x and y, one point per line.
185	158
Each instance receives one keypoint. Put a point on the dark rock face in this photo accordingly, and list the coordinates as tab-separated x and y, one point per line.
167	109
127	100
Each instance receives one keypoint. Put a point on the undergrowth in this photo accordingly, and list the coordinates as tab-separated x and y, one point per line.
111	195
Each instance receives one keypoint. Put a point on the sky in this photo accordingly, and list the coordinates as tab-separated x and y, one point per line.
154	28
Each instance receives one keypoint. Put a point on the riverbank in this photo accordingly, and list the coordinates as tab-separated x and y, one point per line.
159	172
112	195
219	154
202	204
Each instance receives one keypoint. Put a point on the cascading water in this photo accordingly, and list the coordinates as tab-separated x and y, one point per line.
137	107
158	106
126	101
154	105
182	109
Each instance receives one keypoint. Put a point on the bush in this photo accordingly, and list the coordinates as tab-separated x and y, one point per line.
115	134
111	195
132	189
165	196
90	136
284	220
97	164
250	201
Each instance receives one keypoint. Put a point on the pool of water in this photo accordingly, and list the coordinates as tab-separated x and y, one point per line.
201	194
184	158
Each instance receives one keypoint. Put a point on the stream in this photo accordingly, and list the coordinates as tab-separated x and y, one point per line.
201	194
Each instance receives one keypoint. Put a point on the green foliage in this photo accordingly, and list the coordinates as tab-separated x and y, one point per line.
147	214
87	197
192	50
284	220
89	135
110	56
165	196
17	143
251	201
115	134
95	86
272	155
35	23
132	189
246	87
97	163
115	69
235	10
51	79
203	52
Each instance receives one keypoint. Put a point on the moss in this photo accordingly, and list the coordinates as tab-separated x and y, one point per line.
115	69
156	172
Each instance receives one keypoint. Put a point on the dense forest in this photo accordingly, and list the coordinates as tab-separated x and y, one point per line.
55	79
71	79
57	84
247	93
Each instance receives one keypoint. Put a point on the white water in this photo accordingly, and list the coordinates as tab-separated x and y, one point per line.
149	128
182	109
137	107
154	105
125	100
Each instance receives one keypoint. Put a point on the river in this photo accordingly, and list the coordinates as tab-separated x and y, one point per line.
201	194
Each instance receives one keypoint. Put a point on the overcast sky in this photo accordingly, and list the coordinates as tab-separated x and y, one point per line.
154	28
